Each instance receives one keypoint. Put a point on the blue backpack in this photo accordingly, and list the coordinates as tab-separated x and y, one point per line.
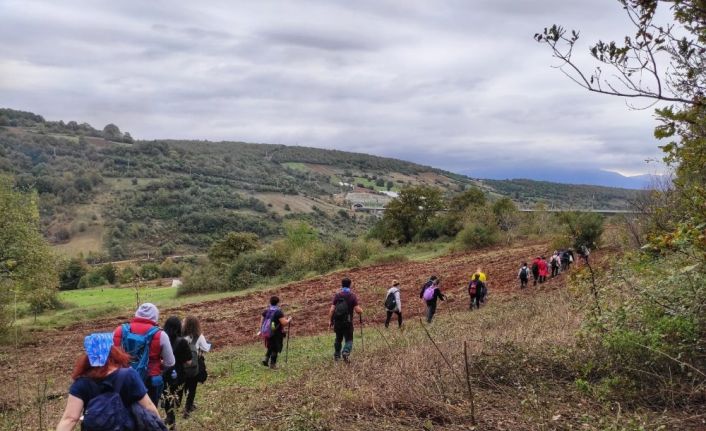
269	327
138	347
106	412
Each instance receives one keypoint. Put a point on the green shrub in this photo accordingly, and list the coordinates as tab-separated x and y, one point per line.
204	279
127	275
389	258
169	268
70	274
646	323
477	235
149	271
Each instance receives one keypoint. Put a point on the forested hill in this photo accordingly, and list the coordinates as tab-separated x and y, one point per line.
103	192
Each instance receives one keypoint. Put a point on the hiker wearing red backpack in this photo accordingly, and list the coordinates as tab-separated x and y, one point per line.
148	346
344	304
272	324
431	293
105	390
475	291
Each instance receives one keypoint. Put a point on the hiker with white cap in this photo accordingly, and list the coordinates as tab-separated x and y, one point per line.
148	346
108	393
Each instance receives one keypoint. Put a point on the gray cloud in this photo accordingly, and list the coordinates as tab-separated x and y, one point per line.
452	83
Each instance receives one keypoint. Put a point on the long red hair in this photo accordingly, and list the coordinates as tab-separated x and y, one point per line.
116	359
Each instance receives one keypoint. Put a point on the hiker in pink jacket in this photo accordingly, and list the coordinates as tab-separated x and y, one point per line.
543	269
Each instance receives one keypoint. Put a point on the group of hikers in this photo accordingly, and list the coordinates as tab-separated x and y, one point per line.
123	376
559	262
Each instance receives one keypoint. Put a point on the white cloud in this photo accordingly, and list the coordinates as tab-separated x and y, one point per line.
453	82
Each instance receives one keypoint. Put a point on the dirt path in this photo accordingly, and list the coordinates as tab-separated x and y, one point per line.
233	321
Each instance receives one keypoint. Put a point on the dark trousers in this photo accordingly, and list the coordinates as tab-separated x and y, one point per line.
274	347
555	270
171	399
542	278
389	316
343	332
475	302
190	388
431	310
535	278
523	282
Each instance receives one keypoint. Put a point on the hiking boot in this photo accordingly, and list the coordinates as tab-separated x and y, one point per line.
273	367
264	362
346	358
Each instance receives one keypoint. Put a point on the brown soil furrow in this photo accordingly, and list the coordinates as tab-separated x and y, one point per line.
233	321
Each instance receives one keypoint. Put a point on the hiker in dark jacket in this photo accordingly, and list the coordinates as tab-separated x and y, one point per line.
344	304
476	289
174	376
535	270
431	297
191	330
274	335
102	362
564	260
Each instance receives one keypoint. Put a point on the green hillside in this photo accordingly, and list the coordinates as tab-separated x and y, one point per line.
104	193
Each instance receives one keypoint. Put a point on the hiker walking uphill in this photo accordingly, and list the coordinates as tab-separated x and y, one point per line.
148	346
195	372
484	287
431	293
535	270
107	392
272	323
475	291
523	275
344	304
555	262
543	269
393	304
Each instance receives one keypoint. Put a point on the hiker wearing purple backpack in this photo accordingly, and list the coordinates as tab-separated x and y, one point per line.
344	304
431	293
272	324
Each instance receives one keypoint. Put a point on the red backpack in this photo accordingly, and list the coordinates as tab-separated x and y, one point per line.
473	288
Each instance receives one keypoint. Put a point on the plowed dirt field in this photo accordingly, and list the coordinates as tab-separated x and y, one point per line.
233	321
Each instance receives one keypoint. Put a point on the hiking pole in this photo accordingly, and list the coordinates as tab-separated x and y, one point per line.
362	340
289	335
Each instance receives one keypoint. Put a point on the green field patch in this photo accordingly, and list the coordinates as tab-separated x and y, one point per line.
301	167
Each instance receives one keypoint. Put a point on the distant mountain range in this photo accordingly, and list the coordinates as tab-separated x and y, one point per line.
555	174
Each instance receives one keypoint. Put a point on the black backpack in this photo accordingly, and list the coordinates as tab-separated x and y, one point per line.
535	268
341	311
390	301
524	273
191	371
106	411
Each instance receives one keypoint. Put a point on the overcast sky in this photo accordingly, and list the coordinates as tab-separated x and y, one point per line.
458	84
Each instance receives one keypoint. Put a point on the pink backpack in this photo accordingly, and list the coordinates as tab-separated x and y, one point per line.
429	293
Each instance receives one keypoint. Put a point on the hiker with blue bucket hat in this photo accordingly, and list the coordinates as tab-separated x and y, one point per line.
106	391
